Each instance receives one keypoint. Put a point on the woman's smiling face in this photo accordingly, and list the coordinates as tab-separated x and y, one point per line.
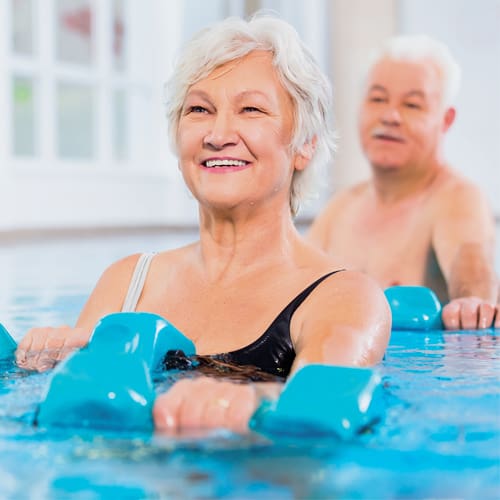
234	135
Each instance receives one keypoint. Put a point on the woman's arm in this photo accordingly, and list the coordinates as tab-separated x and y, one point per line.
346	322
41	348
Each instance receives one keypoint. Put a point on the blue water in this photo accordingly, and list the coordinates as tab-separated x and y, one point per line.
439	436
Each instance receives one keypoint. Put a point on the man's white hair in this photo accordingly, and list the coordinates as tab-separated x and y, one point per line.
425	48
297	69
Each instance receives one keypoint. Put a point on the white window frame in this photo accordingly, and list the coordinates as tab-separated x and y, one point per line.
47	73
45	191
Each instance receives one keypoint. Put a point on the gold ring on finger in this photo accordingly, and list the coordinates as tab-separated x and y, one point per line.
222	402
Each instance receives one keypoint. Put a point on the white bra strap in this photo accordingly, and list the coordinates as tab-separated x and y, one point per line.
137	282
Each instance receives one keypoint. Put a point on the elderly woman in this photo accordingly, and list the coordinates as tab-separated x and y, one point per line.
249	116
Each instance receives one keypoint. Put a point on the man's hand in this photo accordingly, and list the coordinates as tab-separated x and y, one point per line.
470	313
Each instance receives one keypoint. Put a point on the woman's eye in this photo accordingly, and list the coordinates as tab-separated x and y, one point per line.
197	109
251	109
376	99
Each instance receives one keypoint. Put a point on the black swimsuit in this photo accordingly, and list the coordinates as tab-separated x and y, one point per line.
273	351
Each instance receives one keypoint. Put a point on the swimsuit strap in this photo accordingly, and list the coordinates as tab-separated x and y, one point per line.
137	282
297	301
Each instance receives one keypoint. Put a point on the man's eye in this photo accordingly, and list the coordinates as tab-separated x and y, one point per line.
412	105
376	99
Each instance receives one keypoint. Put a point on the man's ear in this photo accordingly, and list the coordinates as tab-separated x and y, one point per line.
449	118
305	154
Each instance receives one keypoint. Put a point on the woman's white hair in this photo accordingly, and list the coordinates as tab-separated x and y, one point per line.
425	48
297	69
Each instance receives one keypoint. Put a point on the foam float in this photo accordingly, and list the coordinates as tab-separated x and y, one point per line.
7	344
414	308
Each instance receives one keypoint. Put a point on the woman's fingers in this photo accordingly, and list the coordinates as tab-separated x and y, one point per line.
205	403
42	348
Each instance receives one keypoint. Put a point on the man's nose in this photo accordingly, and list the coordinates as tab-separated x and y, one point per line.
222	132
390	116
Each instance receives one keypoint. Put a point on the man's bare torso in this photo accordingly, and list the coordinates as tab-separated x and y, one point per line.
391	242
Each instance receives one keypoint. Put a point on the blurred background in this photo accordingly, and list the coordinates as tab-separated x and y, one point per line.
83	139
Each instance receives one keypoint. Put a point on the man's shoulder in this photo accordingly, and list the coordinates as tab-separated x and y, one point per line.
351	194
454	186
337	214
457	196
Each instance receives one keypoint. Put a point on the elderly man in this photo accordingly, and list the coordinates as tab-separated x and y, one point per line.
417	221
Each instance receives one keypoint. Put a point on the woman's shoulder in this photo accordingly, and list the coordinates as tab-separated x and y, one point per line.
349	285
348	315
124	265
317	259
129	263
342	283
174	257
348	292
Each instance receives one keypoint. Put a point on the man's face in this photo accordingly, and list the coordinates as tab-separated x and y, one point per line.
402	120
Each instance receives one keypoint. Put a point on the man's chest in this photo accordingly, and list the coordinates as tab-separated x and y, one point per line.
393	249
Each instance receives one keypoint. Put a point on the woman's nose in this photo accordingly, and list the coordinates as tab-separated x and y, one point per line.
222	132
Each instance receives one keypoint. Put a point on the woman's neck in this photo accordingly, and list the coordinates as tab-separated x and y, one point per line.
232	244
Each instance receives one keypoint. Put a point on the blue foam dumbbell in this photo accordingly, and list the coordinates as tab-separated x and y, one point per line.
107	385
83	393
7	344
414	308
144	335
322	399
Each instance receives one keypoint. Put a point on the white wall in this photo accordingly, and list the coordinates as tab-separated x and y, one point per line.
472	31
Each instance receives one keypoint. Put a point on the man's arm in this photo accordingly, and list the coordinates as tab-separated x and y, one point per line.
463	239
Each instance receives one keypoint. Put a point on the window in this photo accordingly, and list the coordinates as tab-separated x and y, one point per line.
23	116
76	83
75	31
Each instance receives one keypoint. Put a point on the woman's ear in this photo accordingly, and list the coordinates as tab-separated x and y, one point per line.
305	154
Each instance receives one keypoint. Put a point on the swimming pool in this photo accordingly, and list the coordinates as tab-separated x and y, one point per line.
438	438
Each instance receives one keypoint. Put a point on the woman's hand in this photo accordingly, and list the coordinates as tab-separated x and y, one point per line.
42	348
208	403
